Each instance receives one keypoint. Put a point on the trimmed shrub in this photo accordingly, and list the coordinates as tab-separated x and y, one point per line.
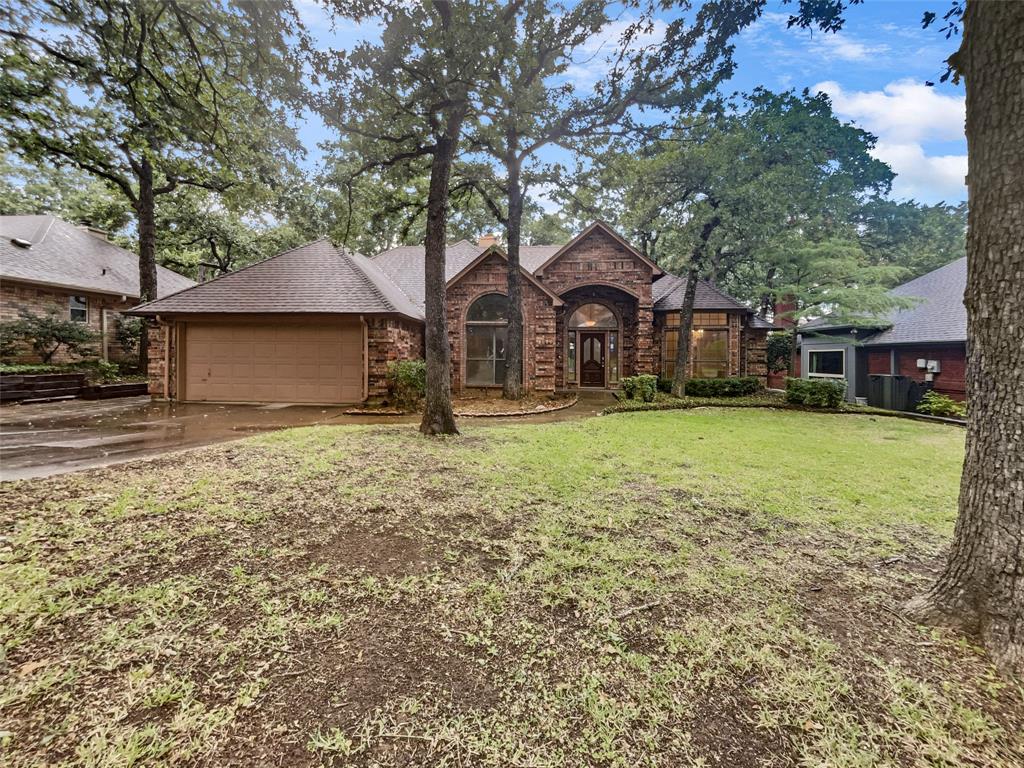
643	387
664	384
46	334
30	369
98	371
817	393
735	386
936	404
407	383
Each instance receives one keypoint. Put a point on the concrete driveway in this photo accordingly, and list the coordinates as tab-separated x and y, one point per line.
53	438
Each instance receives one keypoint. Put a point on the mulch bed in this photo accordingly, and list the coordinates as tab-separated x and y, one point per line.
474	407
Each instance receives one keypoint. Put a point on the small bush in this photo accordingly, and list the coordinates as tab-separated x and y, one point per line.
936	404
817	393
664	384
46	334
128	333
29	369
779	351
643	387
736	386
407	383
98	371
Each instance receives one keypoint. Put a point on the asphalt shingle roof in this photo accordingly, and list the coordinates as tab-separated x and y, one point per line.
939	316
63	255
404	264
668	295
317	277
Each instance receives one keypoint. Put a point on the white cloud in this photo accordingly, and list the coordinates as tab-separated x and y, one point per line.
904	111
906	115
845	48
928	178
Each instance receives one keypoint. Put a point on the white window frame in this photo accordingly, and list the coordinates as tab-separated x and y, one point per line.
826	375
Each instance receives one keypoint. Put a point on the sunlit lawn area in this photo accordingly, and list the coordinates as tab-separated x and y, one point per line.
710	588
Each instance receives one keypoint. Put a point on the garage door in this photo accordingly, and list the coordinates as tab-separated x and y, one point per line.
318	362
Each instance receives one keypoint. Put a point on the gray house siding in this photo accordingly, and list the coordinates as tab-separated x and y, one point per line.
855	371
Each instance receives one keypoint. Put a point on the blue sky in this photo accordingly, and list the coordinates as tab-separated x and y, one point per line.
874	69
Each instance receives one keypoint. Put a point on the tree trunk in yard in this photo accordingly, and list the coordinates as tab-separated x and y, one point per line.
438	418
513	385
981	590
686	313
145	209
685	331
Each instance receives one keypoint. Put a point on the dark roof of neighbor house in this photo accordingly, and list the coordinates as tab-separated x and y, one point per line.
56	253
938	316
317	277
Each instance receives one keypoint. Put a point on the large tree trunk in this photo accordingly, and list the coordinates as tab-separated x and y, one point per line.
438	418
145	209
981	590
513	386
685	331
689	298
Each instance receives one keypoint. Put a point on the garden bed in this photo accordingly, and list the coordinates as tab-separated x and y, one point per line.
474	407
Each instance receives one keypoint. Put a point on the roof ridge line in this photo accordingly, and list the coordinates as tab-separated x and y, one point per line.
366	278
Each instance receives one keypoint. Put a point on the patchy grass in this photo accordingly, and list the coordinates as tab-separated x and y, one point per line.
709	587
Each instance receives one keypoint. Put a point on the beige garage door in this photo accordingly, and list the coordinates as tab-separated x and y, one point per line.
318	362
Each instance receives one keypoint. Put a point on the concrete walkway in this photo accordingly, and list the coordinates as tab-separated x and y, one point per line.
46	439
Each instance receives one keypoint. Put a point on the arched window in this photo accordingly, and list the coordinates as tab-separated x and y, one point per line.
486	337
593	316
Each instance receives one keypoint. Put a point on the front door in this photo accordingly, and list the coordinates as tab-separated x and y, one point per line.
592	357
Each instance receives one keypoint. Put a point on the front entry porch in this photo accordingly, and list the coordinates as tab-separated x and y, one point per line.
601	328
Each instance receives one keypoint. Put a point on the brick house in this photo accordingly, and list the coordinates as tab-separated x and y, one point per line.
925	343
50	266
320	324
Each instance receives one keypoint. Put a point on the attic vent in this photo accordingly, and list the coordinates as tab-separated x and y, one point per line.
21	243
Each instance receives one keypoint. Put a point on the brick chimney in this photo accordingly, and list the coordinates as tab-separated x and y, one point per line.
488	240
784	309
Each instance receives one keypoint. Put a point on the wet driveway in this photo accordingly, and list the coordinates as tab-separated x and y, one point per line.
52	438
45	439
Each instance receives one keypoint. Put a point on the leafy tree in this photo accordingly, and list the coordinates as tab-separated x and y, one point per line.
763	188
151	95
917	237
46	334
401	106
544	228
532	104
205	234
67	193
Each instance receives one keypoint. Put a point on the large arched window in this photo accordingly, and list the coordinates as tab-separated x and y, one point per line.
593	316
486	337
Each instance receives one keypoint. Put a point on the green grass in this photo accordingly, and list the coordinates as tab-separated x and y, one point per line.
700	587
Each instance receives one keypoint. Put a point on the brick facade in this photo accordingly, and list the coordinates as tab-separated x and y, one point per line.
601	268
163	361
539	324
389	339
950	380
17	298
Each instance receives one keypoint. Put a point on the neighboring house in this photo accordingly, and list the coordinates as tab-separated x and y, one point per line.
926	343
320	324
48	265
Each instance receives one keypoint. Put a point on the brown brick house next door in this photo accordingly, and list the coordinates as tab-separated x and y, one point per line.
320	361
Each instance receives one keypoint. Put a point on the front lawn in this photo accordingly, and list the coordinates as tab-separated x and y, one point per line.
710	587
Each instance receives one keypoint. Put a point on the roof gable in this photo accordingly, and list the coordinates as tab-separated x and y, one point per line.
602	228
495	250
61	254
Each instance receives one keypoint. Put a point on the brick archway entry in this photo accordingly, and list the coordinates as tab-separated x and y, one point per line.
597	329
